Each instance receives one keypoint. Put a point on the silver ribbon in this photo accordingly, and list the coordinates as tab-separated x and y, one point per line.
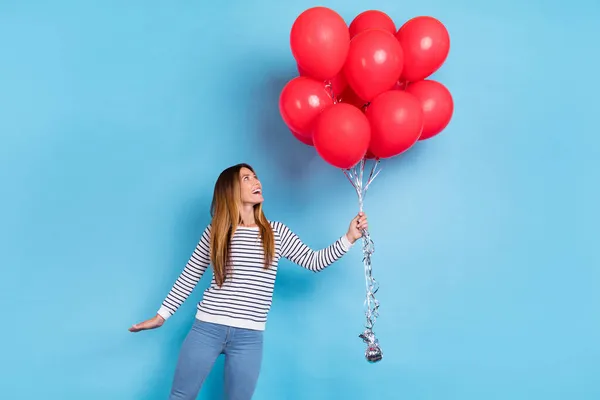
355	175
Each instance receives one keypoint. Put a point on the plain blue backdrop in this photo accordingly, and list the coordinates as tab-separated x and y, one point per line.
116	118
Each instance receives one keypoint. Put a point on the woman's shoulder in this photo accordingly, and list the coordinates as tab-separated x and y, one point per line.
278	226
206	231
275	224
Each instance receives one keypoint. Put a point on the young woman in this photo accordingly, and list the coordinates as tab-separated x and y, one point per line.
244	249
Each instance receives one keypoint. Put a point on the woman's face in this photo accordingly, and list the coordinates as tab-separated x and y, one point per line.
250	188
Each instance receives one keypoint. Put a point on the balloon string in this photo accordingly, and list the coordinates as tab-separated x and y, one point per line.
356	177
329	88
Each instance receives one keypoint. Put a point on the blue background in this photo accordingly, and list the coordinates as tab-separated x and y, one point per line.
116	118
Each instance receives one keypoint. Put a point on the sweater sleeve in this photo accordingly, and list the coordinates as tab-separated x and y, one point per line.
296	251
189	277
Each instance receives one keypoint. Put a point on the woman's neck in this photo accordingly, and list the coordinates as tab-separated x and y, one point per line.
247	216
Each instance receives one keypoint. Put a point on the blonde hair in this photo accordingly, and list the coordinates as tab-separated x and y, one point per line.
226	217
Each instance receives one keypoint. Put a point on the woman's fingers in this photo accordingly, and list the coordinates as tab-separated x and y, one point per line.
361	221
148	324
140	327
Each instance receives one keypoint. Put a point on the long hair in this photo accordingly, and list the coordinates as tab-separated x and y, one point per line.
225	213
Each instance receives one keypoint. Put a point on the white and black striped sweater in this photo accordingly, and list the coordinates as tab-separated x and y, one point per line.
245	298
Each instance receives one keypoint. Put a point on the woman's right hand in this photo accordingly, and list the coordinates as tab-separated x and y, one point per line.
152	323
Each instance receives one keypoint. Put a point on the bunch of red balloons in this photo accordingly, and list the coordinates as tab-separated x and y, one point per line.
362	89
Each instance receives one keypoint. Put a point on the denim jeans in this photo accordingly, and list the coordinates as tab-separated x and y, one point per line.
204	343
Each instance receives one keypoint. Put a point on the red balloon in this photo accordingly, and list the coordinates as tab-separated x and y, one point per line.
372	19
426	44
301	100
370	155
307	140
396	119
341	135
338	82
349	97
399	85
437	104
374	63
320	40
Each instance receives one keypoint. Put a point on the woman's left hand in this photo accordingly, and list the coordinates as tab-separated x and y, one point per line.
357	225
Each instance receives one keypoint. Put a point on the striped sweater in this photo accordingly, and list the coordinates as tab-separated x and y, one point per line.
245	298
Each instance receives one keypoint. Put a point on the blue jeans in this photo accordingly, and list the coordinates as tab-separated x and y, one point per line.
203	344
